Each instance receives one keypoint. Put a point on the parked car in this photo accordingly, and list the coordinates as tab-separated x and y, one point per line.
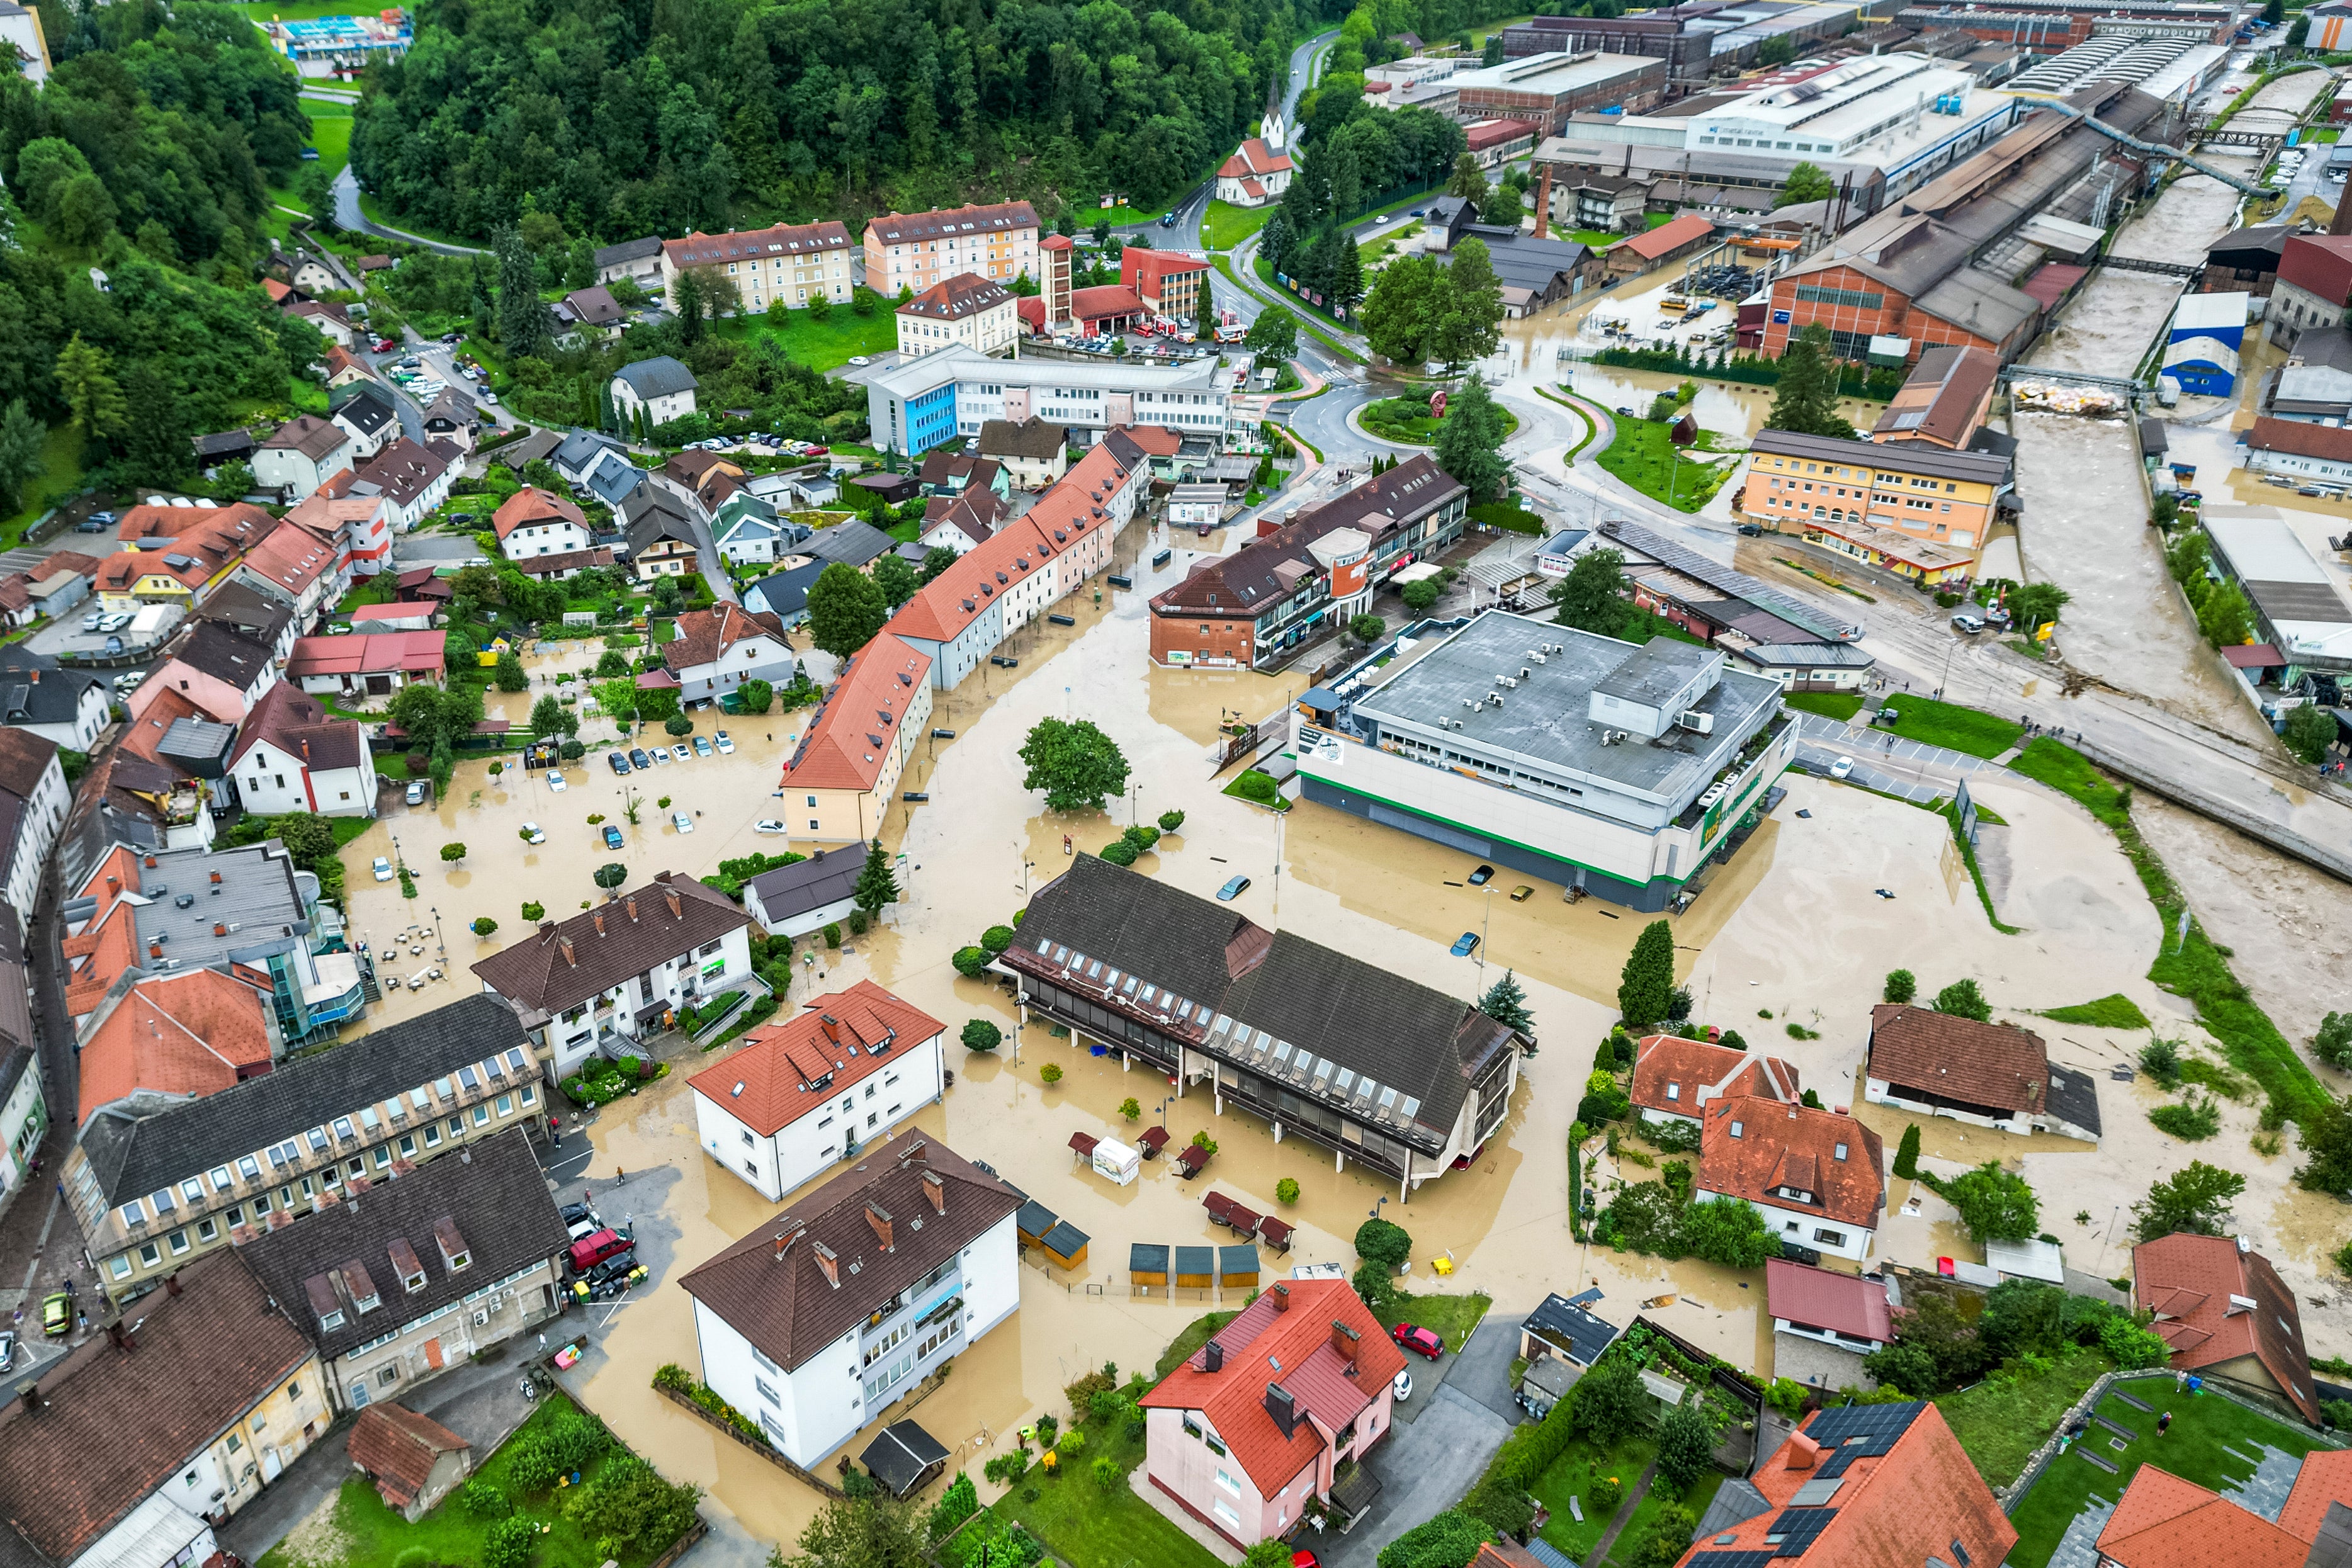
638	758
1234	887
1522	892
726	747
681	821
619	1263
7	1349
93	621
618	763
859	360
591	1251
1482	876
1464	945
1962	621
1401	1388
661	754
1842	768
56	1313
532	834
769	825
1420	1340
384	345
555	781
613	840
383	868
574	1213
702	746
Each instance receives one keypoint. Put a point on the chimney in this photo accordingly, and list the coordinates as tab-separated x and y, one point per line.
1279	1404
219	929
31	1395
677	906
1282	1297
828	1260
217	876
1212	1357
2342	223
1803	1452
1543	201
1344	1340
563	945
155	949
631	904
937	1191
116	1337
599	918
171	1285
786	1235
150	863
879	1218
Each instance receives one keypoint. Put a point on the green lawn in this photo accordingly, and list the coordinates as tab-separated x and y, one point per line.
1450	1318
59	480
1627	1549
1645	458
2205	1430
1949	725
1839	706
380	589
1572	1475
1196	1334
1407	419
1999	1422
1225	225
1094	1527
373	1536
822	345
2115	1011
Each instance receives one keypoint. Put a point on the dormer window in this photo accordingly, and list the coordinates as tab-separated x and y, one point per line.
325	1305
1738	1129
406	1264
455	1256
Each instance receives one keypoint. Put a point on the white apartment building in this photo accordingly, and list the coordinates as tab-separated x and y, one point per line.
965	310
789	262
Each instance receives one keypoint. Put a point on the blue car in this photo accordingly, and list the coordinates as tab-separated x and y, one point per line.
1232	889
1467	945
611	837
620	763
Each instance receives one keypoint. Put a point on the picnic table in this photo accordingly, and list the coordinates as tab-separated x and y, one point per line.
1153	1140
1274	1233
1082	1144
1193	1157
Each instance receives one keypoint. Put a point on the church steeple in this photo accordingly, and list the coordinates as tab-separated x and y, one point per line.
1273	132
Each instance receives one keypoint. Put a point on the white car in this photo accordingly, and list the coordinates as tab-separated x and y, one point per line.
533	835
383	869
555	781
681	821
859	360
490	397
726	747
1403	1387
769	825
1842	768
659	754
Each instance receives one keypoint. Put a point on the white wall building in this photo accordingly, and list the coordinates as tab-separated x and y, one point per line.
33	803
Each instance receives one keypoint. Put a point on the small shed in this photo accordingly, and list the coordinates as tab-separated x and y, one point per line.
1146	1263
1195	1268
2043	1261
1562	1327
412	1459
1065	1244
890	487
903	1457
1238	1267
1033	1222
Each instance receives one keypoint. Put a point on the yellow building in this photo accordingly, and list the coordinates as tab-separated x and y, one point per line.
1925	492
783	265
838	783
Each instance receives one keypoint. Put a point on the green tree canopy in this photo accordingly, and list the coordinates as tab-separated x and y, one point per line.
1962	998
1448	1541
1806	399
1647	987
845	609
1470	441
877	887
1076	764
1805	183
1505	1002
897	578
2196	1200
1592	596
1274	336
1468	325
1995	1205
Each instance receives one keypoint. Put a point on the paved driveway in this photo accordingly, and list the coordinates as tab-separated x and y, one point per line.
1424	1466
1483	1371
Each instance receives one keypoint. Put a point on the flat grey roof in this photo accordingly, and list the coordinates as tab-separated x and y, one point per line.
255	908
1544	718
1654	673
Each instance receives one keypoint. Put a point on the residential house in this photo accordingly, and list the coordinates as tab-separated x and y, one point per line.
1248	1433
1918	490
2163	1522
1598	204
854	543
1818	1177
264	619
590	314
170	1039
152	1190
662	537
410	479
1944	401
638	260
62	581
751	269
2304	451
1168	282
1986	1074
2226	1314
343	369
1327	1046
2315	385
24	1103
914	250
156	801
33	803
536	522
948	473
356	516
1033	451
216	667
576	455
785	594
368	664
132	1446
704	479
808	894
134	580
210	538
329	320
1254	175
716	650
748	531
798	1097
648	394
367	267
815	485
1561	1329
366	411
291	756
452	417
571	563
2313	285
965	309
959	523
1674	1078
608	975
1824	1323
1655	247
1196	506
301	567
839	784
1905	1492
1257	608
301	453
309	273
414	1460
611	478
405	1274
66	707
808	1324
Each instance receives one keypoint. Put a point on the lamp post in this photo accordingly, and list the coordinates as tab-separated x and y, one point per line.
438	940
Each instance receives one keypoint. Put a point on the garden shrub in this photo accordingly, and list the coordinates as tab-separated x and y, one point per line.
1383	1242
833	933
1119	852
1286	1190
2192	1120
1448	1541
957	1503
1253	785
971	962
1170	821
479	1500
1050	1074
996	939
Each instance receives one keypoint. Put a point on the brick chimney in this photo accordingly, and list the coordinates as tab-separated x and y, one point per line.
879	1218
937	1191
563	945
599	918
677	906
219	929
217	876
631	904
1803	1452
1282	1297
155	949
786	1234
828	1260
1543	199
1344	1340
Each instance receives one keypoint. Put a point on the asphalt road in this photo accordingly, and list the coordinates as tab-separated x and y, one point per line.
349	215
1425	1466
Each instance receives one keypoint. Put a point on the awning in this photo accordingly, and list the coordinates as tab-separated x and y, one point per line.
2254	656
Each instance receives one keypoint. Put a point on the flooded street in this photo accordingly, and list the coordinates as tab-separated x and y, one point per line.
2108	328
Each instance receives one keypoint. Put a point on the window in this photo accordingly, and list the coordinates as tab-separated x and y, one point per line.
249	1169
1840	1152
383	1155
1959	1553
344	1128
526	1097
220	1178
433	1136
387	1374
149	1257
1830	1238
162	1202
260	1204
766	1392
1738	1129
506	1106
237	1213
118	1267
408	1146
1674	1091
1224	1512
481	1115
133	1214
1228	1482
458	1125
209	1230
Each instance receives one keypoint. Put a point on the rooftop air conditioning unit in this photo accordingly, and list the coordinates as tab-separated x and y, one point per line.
1703	723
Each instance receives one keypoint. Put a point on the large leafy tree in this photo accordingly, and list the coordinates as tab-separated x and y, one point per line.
1591	597
845	609
1470	442
872	1531
1995	1205
1805	183
1398	315
1274	336
2196	1198
1468	323
1076	764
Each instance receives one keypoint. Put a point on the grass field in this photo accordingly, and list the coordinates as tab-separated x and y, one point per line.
1450	1318
1407	419
60	480
1839	706
822	345
1644	457
2117	1011
1225	225
1968	729
1096	1526
1999	1422
2206	1428
1572	1475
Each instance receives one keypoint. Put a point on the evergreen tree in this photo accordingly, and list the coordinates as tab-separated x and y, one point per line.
1647	985
1906	1153
1345	285
685	303
1505	1002
524	328
1806	399
92	397
1469	443
876	885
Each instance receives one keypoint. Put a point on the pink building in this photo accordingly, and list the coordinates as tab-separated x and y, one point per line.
1243	1434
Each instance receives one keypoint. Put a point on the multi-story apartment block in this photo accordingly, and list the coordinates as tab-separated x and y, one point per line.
837	787
915	406
965	310
789	262
1924	492
154	1190
914	250
1171	283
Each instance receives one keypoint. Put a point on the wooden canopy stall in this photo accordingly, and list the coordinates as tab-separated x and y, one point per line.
1274	1233
1196	1268
1146	1263
1151	1141
1237	1268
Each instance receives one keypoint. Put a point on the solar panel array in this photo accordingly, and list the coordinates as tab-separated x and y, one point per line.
1854	1432
1796	1530
1745	1558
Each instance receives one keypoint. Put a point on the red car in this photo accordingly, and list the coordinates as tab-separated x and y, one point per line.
1302	1558
591	1251
1421	1342
385	345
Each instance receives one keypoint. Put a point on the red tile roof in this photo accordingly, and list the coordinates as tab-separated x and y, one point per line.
767	1083
1000	217
960	595
1822	1299
398	1448
530	505
1898	1509
2163	1522
2188	1282
2318	264
1252	157
1103	301
1667	237
1293	1347
146	732
188	1034
2326	1478
704	634
1998	1066
843	748
418	654
1676	1075
700	250
1788	1146
2297	439
292	557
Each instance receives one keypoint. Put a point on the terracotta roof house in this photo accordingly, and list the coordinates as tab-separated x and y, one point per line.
290	755
412	480
716	650
1818	1175
963	307
1254	175
174	1037
1944	400
412	1459
133	1440
906	1258
1298	1383
1674	1077
536	522
2226	1314
1988	1075
295	565
577	983
839	779
1861	1486
1824	1323
2163	1522
770	1112
368	664
1641	252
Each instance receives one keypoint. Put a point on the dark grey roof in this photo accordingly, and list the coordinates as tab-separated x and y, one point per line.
578	449
366	404
1913	457
261	616
220	651
493	1193
197	740
55	697
1570	1327
565	963
826	877
1735	1502
1032	437
629	250
2000	444
901	1455
528	448
2074	1098
651	515
2151	438
135	1155
657	377
853	543
1651	545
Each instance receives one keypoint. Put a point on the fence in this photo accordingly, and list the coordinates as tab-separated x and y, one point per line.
687	1405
